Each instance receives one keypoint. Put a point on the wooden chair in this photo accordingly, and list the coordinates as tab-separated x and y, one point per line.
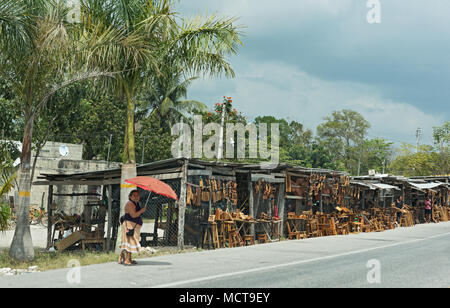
262	238
313	228
291	233
364	226
249	239
343	229
328	226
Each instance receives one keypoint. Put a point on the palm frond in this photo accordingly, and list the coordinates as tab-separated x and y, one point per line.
15	26
202	46
7	182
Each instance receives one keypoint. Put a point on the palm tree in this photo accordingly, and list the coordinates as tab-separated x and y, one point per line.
166	98
40	55
199	45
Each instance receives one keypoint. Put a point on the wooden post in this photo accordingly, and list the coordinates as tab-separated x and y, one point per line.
182	206
110	220
280	204
49	215
363	199
446	192
251	211
155	227
321	203
297	207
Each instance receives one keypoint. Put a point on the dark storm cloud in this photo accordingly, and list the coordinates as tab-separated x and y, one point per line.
403	61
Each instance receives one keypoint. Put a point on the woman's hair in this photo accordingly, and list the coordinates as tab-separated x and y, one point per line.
132	192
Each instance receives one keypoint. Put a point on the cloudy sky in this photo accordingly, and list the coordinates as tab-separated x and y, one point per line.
303	59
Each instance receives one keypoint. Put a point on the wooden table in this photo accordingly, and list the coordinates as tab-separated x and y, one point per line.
244	226
276	228
297	224
267	226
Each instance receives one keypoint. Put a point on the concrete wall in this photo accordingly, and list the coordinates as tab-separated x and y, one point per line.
50	161
51	150
74	205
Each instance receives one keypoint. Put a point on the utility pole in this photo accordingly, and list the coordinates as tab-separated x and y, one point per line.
418	135
220	147
181	141
109	149
359	159
143	151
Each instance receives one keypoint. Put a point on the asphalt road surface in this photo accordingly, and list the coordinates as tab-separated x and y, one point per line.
405	257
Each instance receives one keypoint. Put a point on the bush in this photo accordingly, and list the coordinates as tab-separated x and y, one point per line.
5	213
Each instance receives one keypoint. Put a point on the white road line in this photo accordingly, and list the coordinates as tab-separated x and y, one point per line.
202	279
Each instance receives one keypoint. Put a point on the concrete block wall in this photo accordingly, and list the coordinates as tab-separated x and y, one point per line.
50	161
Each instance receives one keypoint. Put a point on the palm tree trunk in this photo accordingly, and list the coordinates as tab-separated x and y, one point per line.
129	164
22	245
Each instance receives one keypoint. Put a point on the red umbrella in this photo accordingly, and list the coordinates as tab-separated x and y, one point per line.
153	185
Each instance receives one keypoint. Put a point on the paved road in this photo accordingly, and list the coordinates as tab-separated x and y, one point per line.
406	257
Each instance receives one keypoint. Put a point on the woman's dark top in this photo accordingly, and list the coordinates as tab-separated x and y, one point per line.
137	220
398	204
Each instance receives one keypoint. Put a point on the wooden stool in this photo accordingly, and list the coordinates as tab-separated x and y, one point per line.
208	235
232	240
215	235
249	239
222	241
292	233
262	238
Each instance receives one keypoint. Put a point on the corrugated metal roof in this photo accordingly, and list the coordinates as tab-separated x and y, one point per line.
426	185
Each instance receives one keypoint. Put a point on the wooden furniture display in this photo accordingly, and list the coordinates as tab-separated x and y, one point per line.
312	228
210	235
296	228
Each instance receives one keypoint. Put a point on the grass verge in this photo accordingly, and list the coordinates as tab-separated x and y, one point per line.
46	261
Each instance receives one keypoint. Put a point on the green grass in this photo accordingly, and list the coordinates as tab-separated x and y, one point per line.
46	261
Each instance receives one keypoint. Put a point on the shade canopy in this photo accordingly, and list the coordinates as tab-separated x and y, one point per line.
153	185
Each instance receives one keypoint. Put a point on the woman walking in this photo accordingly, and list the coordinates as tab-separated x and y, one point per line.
131	229
428	210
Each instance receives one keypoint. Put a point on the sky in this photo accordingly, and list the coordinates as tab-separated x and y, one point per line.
303	59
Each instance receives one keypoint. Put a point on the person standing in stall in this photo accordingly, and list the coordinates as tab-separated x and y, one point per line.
399	205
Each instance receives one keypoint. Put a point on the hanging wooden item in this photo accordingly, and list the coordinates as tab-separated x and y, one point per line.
189	195
288	183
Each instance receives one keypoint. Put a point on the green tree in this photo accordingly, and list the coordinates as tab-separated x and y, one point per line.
409	163
441	136
151	30
40	55
166	95
343	134
377	154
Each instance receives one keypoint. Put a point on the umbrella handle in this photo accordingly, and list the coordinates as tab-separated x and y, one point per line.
149	194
